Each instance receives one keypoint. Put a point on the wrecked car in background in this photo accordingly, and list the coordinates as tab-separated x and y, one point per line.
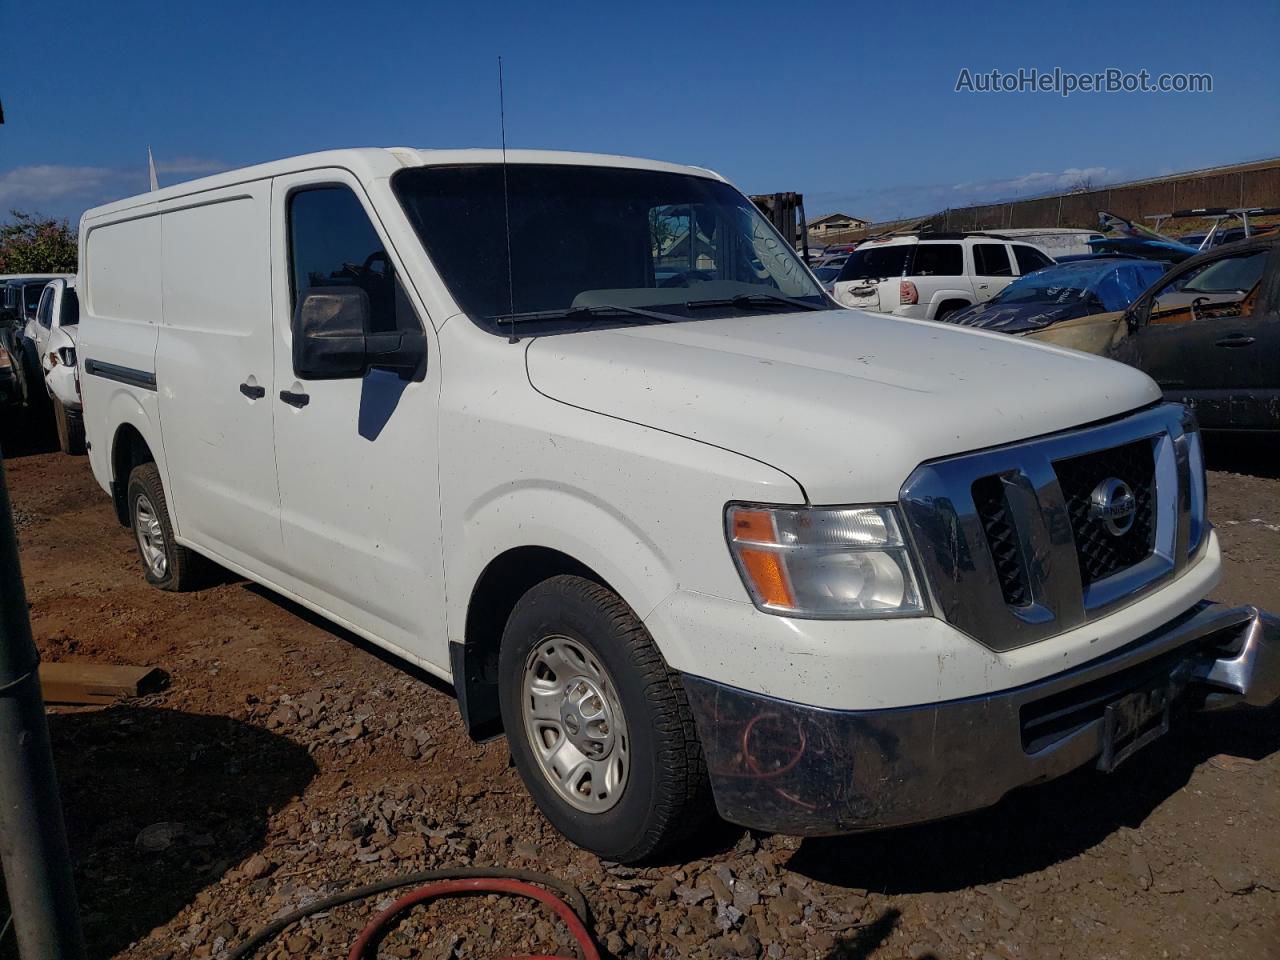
1209	334
1063	292
53	332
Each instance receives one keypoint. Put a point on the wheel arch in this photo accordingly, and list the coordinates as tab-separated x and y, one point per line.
948	301
129	449
474	661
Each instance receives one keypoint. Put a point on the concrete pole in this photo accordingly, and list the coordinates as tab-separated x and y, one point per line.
33	839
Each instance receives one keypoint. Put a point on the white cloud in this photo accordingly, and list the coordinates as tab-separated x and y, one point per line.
1033	184
190	165
43	184
67	190
909	200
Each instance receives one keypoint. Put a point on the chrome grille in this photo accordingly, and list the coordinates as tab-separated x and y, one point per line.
1100	552
1008	547
1002	540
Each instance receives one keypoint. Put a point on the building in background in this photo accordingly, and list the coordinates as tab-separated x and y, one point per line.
835	223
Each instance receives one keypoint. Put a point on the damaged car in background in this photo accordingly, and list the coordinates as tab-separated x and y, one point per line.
52	332
1209	334
1061	292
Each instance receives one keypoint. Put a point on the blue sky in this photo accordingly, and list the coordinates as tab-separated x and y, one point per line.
851	104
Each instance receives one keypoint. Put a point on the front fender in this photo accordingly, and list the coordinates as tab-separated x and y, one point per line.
576	522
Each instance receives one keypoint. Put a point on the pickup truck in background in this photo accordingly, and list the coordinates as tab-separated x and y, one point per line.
52	331
690	535
20	379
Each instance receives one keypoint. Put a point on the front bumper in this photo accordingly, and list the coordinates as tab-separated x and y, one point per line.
795	769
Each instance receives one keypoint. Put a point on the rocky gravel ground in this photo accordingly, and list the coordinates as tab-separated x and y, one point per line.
288	760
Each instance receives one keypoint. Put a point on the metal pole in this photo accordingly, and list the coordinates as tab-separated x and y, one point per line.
33	839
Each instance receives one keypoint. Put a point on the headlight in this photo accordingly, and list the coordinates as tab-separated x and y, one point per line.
831	563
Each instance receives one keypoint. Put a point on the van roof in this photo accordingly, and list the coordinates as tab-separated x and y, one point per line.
373	163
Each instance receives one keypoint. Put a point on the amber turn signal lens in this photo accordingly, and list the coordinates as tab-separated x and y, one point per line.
754	526
769	578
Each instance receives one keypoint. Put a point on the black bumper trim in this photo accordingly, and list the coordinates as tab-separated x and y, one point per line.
796	769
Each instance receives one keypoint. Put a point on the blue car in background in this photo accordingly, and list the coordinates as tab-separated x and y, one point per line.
1063	291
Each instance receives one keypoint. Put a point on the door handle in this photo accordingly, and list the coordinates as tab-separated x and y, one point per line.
298	400
1235	340
252	392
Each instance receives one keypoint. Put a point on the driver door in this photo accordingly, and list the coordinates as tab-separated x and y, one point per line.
356	457
992	270
1202	337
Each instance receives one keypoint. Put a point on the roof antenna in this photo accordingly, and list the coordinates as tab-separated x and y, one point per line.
151	169
506	205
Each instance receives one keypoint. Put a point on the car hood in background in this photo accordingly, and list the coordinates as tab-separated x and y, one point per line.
1018	317
848	403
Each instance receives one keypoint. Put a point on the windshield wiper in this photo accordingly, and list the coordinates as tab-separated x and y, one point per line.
594	312
754	301
600	311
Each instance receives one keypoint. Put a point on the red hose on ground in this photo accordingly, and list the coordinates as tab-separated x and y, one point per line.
372	933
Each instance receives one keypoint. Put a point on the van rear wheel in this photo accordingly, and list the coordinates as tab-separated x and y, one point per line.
597	724
166	563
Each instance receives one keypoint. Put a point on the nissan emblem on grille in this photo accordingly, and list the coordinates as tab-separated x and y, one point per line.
1113	503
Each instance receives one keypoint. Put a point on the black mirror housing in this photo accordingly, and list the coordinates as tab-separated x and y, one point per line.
329	334
331	339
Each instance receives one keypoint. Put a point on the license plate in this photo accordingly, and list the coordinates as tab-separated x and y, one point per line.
1132	722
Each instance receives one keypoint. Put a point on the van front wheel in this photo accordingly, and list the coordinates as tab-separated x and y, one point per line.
597	724
166	563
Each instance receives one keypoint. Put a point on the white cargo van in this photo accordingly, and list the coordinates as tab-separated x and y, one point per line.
686	532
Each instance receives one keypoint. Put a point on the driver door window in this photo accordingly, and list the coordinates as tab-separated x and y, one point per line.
1224	289
333	244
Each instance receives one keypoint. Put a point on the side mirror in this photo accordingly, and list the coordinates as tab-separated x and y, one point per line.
328	334
1132	316
330	341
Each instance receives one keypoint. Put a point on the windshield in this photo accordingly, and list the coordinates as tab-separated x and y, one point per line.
583	237
878	263
1229	275
1112	285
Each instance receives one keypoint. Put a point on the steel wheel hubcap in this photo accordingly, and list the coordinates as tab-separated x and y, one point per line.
574	722
150	533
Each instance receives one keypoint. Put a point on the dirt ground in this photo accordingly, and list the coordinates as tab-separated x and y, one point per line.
287	759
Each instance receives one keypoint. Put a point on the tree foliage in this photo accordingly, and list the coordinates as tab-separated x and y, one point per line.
31	243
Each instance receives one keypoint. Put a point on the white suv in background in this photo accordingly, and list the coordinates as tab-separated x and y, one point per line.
928	276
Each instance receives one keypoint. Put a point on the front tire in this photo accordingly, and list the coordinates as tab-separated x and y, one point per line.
166	563
598	726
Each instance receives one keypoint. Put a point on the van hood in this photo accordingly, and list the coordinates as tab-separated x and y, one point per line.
848	403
